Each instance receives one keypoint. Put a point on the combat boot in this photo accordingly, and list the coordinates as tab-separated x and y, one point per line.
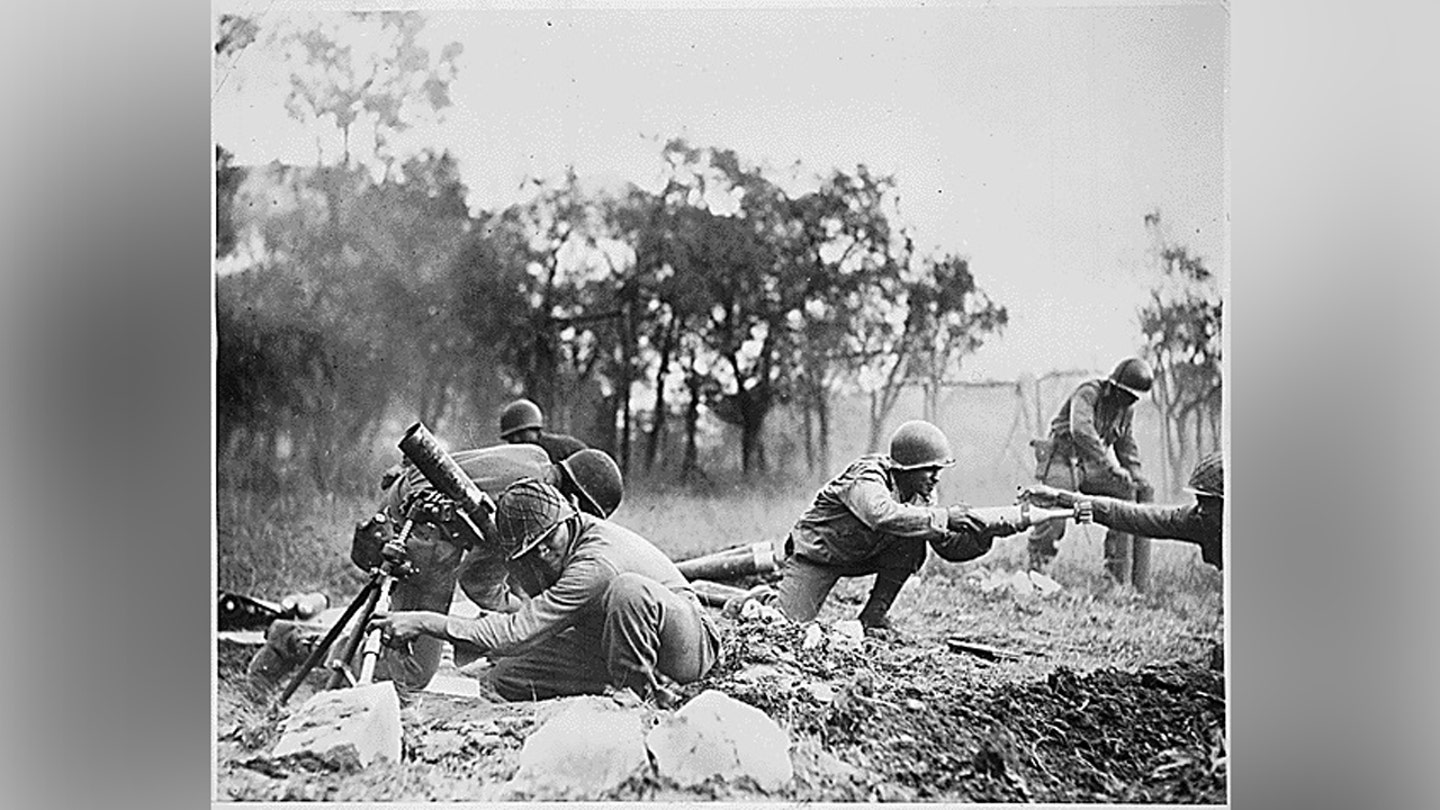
874	617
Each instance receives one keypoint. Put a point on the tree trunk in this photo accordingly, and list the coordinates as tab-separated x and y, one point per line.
876	420
657	423
822	408
689	463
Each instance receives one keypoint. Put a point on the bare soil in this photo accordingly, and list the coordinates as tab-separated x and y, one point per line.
1097	695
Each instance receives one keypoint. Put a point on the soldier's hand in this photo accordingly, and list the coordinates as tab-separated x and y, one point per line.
1048	497
400	628
429	506
959	519
370	537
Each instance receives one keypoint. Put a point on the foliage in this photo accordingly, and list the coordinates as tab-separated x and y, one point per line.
1182	328
364	286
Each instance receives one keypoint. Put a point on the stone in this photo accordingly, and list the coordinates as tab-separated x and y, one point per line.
814	637
823	693
1044	584
715	735
582	749
456	685
345	727
848	633
1020	583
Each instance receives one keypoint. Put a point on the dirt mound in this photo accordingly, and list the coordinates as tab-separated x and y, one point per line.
918	722
1075	709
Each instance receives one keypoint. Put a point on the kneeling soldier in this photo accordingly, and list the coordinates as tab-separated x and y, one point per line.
878	517
607	609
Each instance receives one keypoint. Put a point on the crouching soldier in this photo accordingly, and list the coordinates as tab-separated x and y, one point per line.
607	610
441	550
1201	523
879	517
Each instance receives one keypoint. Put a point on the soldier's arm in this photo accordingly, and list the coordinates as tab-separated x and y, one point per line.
1082	427
1126	450
1149	520
551	611
869	498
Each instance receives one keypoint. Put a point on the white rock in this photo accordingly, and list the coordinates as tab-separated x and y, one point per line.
359	725
850	629
814	637
822	692
716	735
1020	583
585	748
1044	584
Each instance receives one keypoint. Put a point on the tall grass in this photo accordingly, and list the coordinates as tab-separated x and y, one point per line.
269	547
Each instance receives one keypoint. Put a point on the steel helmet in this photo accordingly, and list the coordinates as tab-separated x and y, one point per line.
1208	477
1133	375
596	479
519	415
917	444
526	512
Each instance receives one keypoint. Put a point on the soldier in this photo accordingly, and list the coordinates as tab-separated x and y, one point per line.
522	423
1091	449
877	517
607	609
1201	523
443	552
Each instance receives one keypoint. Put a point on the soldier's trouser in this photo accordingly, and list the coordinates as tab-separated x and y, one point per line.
805	583
1092	480
638	628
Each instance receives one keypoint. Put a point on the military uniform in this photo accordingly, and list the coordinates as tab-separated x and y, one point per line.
436	553
617	613
559	446
1201	523
859	525
1091	449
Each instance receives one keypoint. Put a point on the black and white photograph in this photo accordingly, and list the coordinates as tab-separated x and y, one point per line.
735	402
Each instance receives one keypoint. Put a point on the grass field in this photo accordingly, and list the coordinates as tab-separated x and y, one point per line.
1089	711
272	547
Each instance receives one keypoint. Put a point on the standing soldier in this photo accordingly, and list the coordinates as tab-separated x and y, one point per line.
522	423
877	517
1091	449
442	552
607	609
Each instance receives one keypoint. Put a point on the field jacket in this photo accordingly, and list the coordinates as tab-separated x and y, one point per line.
599	552
859	512
1089	423
559	446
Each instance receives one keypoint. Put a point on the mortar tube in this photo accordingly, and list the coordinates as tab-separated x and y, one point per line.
754	559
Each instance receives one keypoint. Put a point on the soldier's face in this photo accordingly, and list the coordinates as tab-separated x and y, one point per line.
541	568
917	482
526	436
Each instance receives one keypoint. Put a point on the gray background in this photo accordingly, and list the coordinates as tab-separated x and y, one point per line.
104	237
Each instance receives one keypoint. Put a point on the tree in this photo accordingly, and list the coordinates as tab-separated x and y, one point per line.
350	249
1182	328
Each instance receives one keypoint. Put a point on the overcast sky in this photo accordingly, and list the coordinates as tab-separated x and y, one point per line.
1032	139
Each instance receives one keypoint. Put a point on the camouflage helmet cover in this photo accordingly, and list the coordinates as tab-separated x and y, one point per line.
526	512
